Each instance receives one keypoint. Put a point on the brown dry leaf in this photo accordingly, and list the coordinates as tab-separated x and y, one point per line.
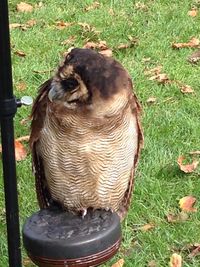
25	121
141	6
91	45
102	45
152	264
187	168
195	250
31	23
60	25
194	42
107	52
154	71
20	151
15	25
186	204
151	100
119	263
175	260
146	227
195	152
194	58
186	89
23	138
180	217
19	53
93	6
21	86
160	78
85	26
193	12
68	41
24	7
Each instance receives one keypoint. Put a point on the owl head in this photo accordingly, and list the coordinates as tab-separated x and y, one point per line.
87	78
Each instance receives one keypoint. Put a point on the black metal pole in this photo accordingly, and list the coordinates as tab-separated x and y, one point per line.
8	109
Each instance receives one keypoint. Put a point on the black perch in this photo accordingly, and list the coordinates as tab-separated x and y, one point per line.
56	238
8	108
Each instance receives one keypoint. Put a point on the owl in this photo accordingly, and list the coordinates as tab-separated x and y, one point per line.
86	135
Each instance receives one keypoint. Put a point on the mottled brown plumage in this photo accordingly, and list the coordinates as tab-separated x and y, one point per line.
86	135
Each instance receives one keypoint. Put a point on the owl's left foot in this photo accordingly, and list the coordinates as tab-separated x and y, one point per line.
83	212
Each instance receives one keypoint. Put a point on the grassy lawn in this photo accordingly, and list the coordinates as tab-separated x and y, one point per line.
171	124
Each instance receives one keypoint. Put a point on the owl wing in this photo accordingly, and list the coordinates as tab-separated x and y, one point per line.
136	110
38	117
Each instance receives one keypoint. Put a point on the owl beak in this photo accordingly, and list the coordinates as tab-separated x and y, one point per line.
52	94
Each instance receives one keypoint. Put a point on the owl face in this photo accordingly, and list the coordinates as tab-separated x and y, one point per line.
90	79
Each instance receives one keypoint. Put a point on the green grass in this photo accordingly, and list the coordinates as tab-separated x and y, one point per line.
171	128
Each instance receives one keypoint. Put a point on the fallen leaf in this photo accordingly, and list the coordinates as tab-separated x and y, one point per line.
155	71
31	22
107	52
160	78
102	45
152	264
195	252
180	217
187	168
15	25
21	86
195	152
195	57
91	45
119	263
141	6
24	7
62	25
193	12
194	42
20	151
146	227
151	100
68	41
25	121
146	59
93	6
186	204
23	138
175	260
186	89
19	53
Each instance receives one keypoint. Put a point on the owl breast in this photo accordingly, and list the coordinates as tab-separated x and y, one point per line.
89	163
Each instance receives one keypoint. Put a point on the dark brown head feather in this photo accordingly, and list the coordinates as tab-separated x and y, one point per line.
97	71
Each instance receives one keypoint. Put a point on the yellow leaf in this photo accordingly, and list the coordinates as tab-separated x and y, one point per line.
175	260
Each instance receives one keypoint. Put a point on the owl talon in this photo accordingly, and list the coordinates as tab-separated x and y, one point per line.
108	209
83	213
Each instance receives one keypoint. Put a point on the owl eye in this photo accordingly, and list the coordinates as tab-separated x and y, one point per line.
69	84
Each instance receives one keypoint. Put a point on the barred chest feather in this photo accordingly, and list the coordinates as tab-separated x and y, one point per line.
88	163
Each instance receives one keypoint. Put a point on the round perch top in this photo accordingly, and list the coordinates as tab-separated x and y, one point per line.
57	234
